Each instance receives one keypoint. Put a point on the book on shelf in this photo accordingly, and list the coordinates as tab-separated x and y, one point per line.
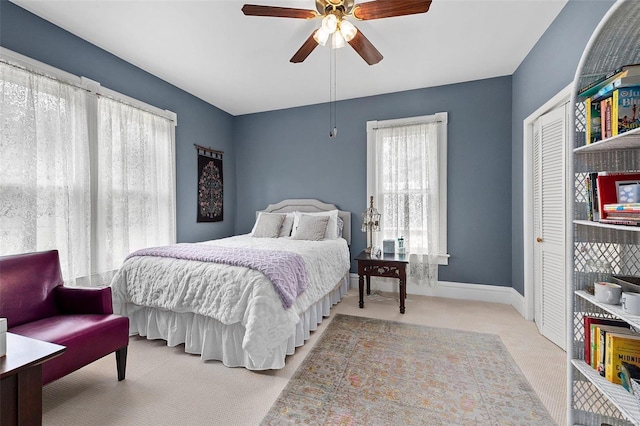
621	76
595	206
622	207
601	338
619	112
619	83
591	320
594	332
607	189
625	109
620	348
624	222
612	104
593	126
606	117
623	216
589	195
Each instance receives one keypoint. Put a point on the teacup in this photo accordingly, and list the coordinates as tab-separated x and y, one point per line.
609	293
630	303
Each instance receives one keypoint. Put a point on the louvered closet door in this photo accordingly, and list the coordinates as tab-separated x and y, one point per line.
550	141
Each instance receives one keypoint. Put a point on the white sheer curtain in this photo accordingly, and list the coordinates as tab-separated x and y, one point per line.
136	182
44	169
407	194
84	174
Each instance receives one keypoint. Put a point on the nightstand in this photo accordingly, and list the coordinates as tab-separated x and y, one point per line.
385	265
21	379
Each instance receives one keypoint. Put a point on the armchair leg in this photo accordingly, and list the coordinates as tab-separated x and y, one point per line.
121	362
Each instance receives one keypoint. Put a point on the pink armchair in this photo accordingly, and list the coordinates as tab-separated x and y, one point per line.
37	305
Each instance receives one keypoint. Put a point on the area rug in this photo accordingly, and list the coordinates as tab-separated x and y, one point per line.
365	371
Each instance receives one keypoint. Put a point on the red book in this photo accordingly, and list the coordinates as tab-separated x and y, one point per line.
588	320
625	222
607	189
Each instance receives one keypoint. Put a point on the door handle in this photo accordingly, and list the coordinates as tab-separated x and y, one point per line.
539	239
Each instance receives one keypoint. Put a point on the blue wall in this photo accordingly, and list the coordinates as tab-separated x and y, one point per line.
547	69
198	121
287	154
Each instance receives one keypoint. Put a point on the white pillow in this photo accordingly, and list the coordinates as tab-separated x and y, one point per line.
287	225
332	226
267	225
310	227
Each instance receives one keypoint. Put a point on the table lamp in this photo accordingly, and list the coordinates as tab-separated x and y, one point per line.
370	223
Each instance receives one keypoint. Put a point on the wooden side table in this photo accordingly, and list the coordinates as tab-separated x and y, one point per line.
21	379
386	265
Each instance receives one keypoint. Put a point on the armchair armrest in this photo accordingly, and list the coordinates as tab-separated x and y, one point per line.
80	300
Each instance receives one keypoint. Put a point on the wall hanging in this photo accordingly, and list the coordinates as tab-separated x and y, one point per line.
210	185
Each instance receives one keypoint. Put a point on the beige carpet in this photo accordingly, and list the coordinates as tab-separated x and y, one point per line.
165	386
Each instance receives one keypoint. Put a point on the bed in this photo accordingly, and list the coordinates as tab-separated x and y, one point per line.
237	312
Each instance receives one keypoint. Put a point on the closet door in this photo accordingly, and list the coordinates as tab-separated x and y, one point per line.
550	140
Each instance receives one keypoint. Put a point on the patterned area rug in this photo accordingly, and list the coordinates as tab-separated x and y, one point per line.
366	371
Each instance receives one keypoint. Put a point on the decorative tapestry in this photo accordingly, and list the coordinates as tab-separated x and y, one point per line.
210	186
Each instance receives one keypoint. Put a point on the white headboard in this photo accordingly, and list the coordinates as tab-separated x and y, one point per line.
311	205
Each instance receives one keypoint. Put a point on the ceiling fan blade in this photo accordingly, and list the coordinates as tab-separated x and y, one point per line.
305	50
363	46
389	8
278	12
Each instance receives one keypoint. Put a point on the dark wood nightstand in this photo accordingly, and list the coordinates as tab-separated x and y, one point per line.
386	265
21	379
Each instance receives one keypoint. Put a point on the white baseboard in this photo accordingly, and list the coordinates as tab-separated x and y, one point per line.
452	290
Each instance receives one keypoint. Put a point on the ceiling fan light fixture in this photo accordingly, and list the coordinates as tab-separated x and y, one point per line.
348	30
321	36
337	41
330	23
333	13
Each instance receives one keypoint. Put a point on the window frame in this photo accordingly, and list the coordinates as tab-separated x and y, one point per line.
442	119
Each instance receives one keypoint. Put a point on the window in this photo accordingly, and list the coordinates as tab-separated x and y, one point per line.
407	175
83	170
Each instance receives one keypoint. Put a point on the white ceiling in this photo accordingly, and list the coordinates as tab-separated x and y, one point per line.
241	63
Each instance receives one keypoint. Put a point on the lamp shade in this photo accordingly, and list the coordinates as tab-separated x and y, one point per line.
337	41
321	36
330	23
348	30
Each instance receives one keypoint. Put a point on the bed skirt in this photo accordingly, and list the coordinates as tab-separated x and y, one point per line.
213	340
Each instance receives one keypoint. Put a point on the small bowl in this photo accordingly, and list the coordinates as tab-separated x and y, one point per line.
608	293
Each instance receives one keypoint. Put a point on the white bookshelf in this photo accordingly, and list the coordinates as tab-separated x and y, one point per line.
607	225
593	400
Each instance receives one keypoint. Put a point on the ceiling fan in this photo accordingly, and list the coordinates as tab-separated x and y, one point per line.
334	24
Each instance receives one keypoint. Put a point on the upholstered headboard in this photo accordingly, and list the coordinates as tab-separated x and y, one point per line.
311	205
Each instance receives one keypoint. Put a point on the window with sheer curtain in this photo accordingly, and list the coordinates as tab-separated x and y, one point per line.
406	174
89	175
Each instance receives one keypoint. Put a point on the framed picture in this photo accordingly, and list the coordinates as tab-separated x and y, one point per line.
628	191
210	185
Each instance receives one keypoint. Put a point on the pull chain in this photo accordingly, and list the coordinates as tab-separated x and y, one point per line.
332	94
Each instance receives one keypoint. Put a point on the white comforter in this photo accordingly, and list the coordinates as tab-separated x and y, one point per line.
232	294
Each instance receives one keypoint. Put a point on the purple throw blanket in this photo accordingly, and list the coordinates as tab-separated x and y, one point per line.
286	270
